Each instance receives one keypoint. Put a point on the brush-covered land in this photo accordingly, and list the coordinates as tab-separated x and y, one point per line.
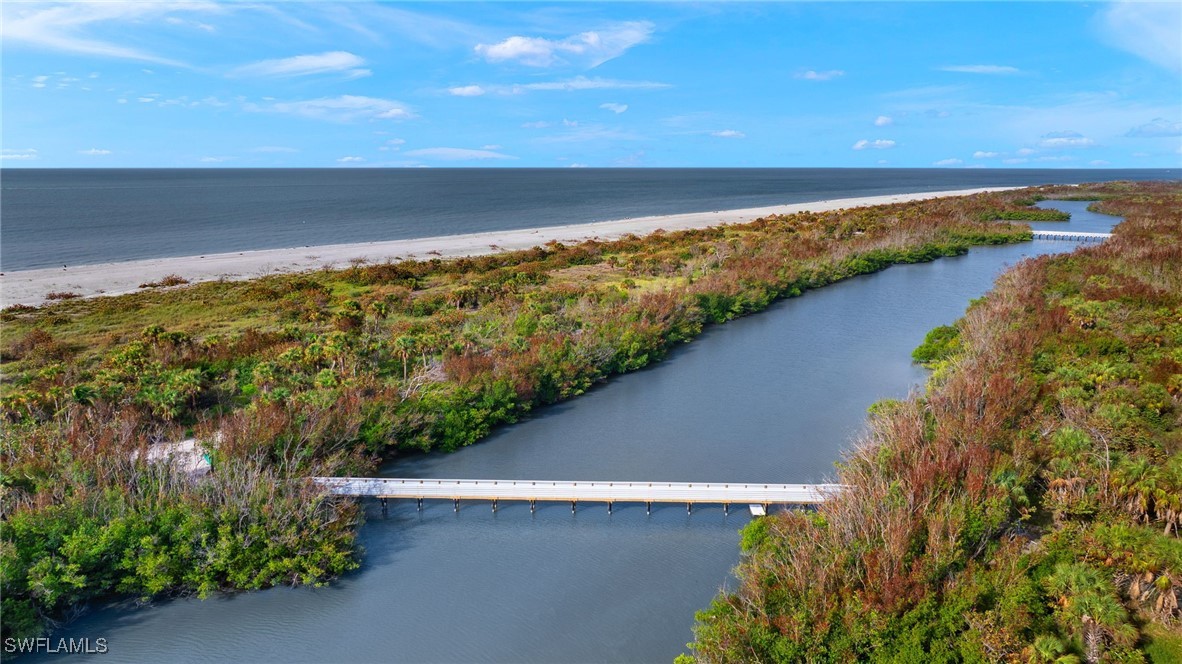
1027	507
328	372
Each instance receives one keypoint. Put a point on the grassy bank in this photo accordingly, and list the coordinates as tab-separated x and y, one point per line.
1026	508
327	372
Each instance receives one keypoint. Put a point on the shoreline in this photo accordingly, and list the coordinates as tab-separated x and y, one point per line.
29	287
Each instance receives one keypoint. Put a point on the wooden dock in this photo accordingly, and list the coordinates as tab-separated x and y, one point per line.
1076	236
532	491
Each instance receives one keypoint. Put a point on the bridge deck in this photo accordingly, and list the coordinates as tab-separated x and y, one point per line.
646	492
1071	235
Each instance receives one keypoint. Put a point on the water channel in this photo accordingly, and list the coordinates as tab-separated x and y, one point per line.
773	397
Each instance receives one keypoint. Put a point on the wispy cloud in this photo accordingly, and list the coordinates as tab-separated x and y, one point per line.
94	152
332	62
948	162
981	69
589	49
215	160
466	91
1156	128
1065	139
877	144
350	160
811	75
728	133
18	155
982	154
883	121
1146	29
575	84
346	108
457	154
65	26
614	107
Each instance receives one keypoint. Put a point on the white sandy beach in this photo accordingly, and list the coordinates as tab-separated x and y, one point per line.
31	286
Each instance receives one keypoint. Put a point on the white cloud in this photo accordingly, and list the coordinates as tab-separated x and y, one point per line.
64	26
569	85
576	165
345	108
1157	128
332	62
490	147
392	145
1065	139
215	160
589	49
569	123
1148	30
877	144
39	81
981	154
614	107
145	100
811	75
584	83
8	154
350	160
466	91
728	133
948	162
94	152
981	69
457	154
883	121
1026	152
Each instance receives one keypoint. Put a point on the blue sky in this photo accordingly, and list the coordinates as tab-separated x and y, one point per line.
349	84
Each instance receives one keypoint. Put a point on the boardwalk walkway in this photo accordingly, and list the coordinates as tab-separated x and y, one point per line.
573	492
1077	236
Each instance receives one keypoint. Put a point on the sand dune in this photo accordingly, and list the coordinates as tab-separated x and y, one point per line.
31	286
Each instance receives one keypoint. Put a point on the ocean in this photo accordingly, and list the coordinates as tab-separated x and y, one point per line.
53	217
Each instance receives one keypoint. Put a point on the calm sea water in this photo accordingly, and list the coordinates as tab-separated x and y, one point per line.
76	217
774	397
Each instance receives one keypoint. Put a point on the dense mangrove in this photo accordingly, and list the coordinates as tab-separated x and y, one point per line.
329	372
1026	507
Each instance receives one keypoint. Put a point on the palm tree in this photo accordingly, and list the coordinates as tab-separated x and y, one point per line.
1087	602
405	347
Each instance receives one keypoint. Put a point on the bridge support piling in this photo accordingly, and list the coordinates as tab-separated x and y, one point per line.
494	504
533	505
455	504
726	509
689	508
420	504
573	504
609	508
648	507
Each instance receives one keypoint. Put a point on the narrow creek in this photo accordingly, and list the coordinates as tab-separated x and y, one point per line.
774	397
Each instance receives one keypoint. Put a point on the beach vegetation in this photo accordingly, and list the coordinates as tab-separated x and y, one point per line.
328	372
1026	507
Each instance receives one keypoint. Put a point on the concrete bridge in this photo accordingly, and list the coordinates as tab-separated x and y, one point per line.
1077	236
756	495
